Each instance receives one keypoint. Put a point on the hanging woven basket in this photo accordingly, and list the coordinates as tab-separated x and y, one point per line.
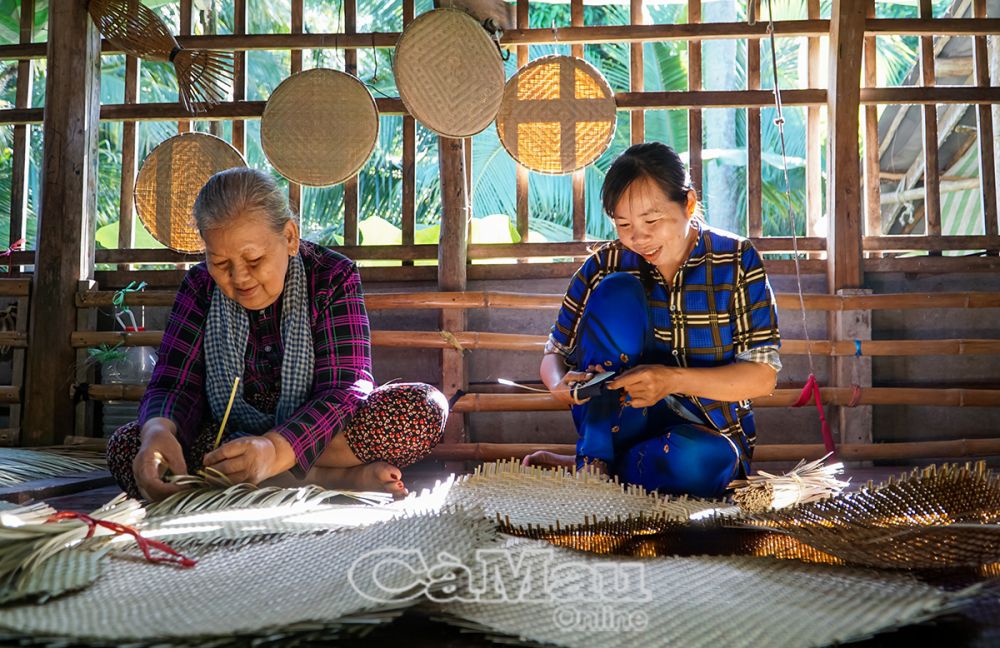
169	181
319	127
449	73
557	115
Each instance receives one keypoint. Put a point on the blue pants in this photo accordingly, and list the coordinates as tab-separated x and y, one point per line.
653	447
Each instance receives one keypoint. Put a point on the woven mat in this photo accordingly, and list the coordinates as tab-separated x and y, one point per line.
319	127
522	495
557	115
169	181
301	579
449	73
694	602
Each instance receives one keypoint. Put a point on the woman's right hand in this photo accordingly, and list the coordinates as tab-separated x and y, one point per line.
159	446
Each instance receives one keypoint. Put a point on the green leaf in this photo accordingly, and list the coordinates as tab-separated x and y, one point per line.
107	238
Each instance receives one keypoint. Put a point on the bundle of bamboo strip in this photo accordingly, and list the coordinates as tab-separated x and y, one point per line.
204	77
807	482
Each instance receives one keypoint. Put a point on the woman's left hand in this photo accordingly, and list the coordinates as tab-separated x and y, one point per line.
246	460
647	385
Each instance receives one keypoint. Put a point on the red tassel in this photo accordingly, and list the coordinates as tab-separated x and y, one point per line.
811	389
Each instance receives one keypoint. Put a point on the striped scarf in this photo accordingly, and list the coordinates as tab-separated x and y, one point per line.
226	334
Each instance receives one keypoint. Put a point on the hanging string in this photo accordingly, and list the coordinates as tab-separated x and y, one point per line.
811	389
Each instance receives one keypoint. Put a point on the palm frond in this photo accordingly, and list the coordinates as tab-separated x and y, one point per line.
18	465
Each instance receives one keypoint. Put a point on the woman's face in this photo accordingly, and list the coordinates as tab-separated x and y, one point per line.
652	225
248	259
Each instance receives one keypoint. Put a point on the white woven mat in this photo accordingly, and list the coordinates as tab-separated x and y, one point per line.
695	602
532	495
299	579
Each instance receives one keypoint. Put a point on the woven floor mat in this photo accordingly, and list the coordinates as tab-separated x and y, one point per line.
692	602
522	495
301	579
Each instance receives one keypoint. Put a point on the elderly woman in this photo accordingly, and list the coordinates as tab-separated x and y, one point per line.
288	318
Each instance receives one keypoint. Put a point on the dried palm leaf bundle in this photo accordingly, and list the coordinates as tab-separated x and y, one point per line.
328	581
18	465
33	537
204	77
937	517
807	482
564	598
534	495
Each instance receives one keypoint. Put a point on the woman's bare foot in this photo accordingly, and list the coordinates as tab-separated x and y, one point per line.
377	476
546	458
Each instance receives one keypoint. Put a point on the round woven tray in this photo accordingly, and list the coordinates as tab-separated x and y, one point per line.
319	127
169	181
557	115
449	73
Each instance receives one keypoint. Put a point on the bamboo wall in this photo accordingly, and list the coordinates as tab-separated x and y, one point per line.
67	288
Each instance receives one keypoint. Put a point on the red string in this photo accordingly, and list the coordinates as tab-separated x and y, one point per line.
14	247
145	544
855	395
812	390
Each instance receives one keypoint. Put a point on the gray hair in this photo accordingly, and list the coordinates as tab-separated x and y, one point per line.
233	192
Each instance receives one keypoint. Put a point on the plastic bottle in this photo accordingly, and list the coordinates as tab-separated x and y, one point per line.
135	367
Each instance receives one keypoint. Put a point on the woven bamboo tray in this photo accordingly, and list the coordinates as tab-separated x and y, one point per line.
319	127
557	115
169	181
449	73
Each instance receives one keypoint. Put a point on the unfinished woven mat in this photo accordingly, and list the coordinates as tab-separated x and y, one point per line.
319	127
557	115
322	579
449	73
571	599
522	495
169	181
938	517
18	465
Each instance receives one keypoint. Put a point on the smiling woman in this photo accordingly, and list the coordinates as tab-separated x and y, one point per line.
287	317
684	315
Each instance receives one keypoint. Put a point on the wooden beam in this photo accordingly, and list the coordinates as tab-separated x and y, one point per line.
66	222
20	160
637	68
984	121
843	168
873	205
694	115
294	188
929	26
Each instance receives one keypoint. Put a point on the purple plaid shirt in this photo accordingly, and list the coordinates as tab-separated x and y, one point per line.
342	376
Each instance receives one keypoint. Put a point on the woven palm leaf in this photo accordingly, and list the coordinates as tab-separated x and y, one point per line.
938	517
204	77
18	465
695	602
523	495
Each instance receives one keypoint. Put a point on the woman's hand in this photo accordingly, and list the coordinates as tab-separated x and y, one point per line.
647	385
563	391
248	460
159	451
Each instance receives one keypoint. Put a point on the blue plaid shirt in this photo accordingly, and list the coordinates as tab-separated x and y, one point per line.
718	309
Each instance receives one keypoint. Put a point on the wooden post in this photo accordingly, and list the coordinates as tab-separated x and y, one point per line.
814	176
873	186
351	184
409	215
294	188
130	153
637	75
755	221
694	114
452	259
932	193
184	125
65	250
984	118
22	137
579	177
521	179
847	25
240	71
854	424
